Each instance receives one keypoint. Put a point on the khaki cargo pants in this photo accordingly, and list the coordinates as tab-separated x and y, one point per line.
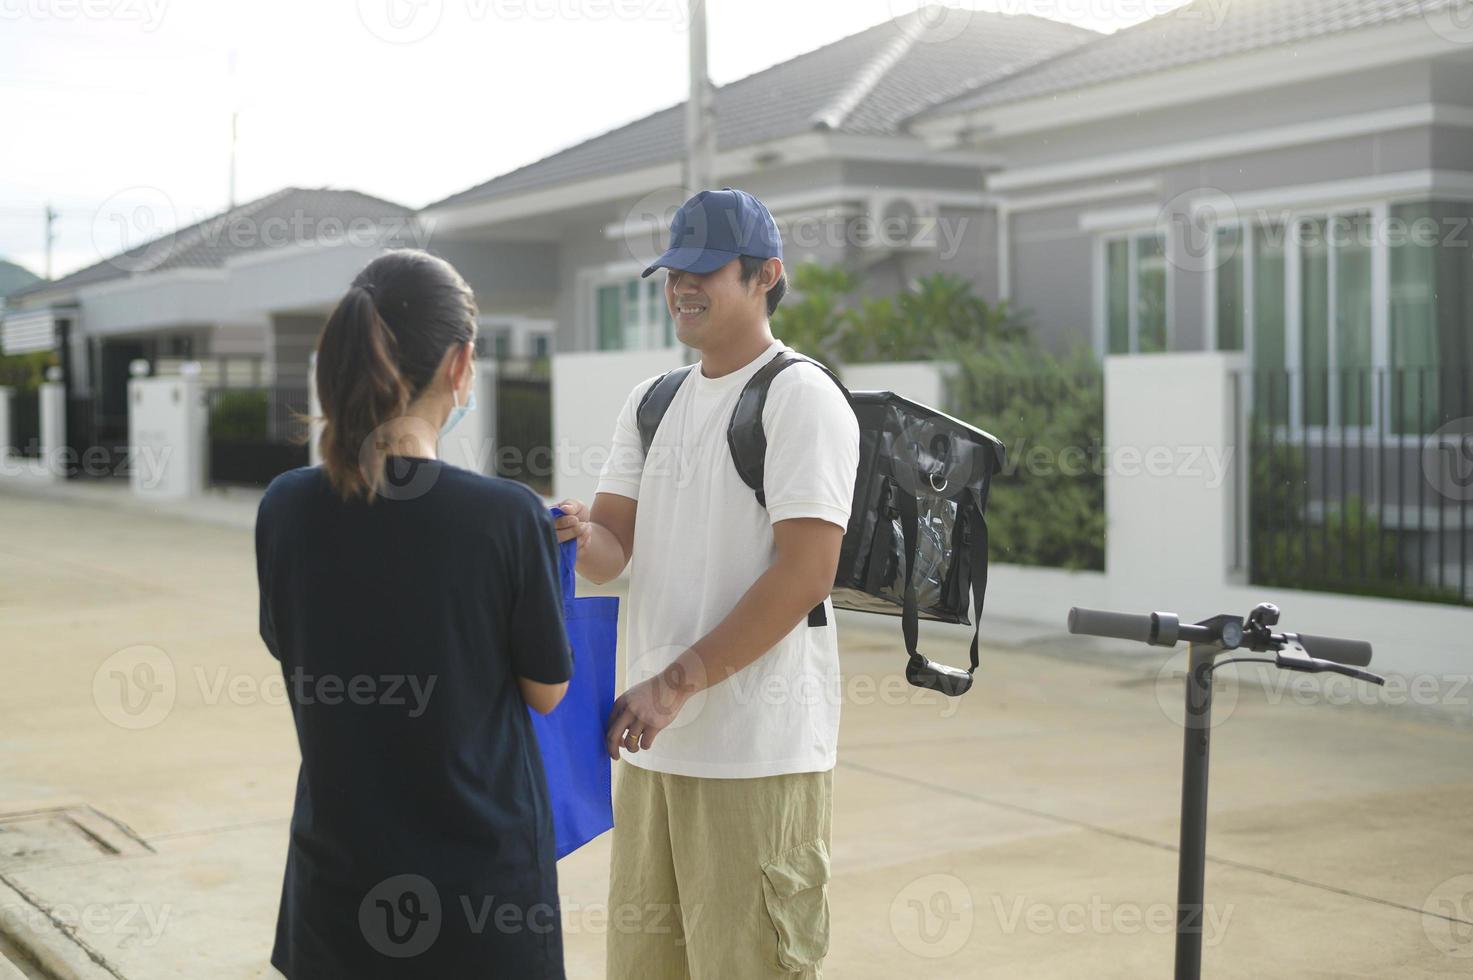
719	879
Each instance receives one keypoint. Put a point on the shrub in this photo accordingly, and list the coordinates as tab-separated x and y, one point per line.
239	416
25	371
1346	551
826	319
1047	506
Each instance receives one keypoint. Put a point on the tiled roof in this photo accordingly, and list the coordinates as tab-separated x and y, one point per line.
1197	32
289	216
867	83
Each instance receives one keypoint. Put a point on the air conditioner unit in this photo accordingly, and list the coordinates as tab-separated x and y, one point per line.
898	223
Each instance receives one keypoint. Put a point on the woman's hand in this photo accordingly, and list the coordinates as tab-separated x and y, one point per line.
574	523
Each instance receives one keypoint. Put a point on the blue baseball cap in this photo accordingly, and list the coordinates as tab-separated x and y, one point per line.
715	227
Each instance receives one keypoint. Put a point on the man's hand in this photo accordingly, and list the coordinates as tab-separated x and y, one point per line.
646	709
574	523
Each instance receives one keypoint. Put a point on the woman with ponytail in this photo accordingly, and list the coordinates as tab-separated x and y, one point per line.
415	608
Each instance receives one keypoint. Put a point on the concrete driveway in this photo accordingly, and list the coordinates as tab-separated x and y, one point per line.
1026	830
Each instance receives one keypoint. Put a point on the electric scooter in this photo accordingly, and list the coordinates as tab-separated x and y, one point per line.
1209	639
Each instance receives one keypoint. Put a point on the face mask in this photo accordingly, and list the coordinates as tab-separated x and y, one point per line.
459	411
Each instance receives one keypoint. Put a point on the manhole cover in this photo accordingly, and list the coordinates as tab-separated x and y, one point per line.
64	835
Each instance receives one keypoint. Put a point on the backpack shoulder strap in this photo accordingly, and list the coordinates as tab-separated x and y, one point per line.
656	401
745	435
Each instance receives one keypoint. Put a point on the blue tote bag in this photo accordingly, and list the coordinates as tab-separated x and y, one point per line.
571	737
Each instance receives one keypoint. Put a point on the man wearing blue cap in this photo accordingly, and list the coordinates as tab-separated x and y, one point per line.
730	725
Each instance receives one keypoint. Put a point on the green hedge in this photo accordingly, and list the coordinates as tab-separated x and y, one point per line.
239	416
25	371
1048	505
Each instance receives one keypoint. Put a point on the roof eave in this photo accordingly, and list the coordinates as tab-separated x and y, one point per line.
820	143
1363	48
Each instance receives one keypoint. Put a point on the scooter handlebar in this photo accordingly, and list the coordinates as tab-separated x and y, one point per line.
1353	653
1121	626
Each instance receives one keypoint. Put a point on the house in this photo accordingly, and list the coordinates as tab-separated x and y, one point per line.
171	299
1165	168
1292	180
820	138
1237	177
12	278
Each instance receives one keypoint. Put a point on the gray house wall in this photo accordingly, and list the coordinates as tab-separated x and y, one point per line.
521	278
968	247
1050	274
293	339
1052	258
1314	100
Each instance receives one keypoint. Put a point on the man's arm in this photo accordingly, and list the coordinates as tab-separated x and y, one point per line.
800	577
605	535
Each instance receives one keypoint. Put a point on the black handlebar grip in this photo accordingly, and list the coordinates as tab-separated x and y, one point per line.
1121	626
1354	653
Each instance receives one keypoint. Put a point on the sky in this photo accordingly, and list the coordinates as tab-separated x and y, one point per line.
128	102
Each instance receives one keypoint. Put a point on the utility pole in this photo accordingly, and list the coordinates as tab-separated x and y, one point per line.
700	108
51	216
233	117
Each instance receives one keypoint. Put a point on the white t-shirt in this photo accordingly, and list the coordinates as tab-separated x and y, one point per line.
701	540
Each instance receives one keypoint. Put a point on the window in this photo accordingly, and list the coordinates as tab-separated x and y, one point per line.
1334	357
1249	306
1230	312
1431	315
1335	318
1135	293
631	315
540	346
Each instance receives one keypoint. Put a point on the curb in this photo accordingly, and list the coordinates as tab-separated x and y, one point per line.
41	940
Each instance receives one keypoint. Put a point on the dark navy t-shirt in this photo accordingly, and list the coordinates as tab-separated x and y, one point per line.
421	840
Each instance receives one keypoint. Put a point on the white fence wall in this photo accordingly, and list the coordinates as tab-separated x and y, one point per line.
53	428
1171	484
167	428
588	390
920	381
6	394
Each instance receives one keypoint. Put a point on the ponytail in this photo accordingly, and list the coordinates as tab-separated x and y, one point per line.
370	365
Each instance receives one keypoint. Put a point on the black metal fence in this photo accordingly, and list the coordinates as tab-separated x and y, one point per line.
255	433
1360	481
25	423
524	430
97	440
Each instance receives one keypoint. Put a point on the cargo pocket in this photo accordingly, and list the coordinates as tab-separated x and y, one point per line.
795	887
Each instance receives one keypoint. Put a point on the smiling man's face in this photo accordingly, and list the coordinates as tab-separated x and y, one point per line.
705	306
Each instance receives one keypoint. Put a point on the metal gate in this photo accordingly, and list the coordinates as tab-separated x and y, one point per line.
25	423
524	430
97	442
255	434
